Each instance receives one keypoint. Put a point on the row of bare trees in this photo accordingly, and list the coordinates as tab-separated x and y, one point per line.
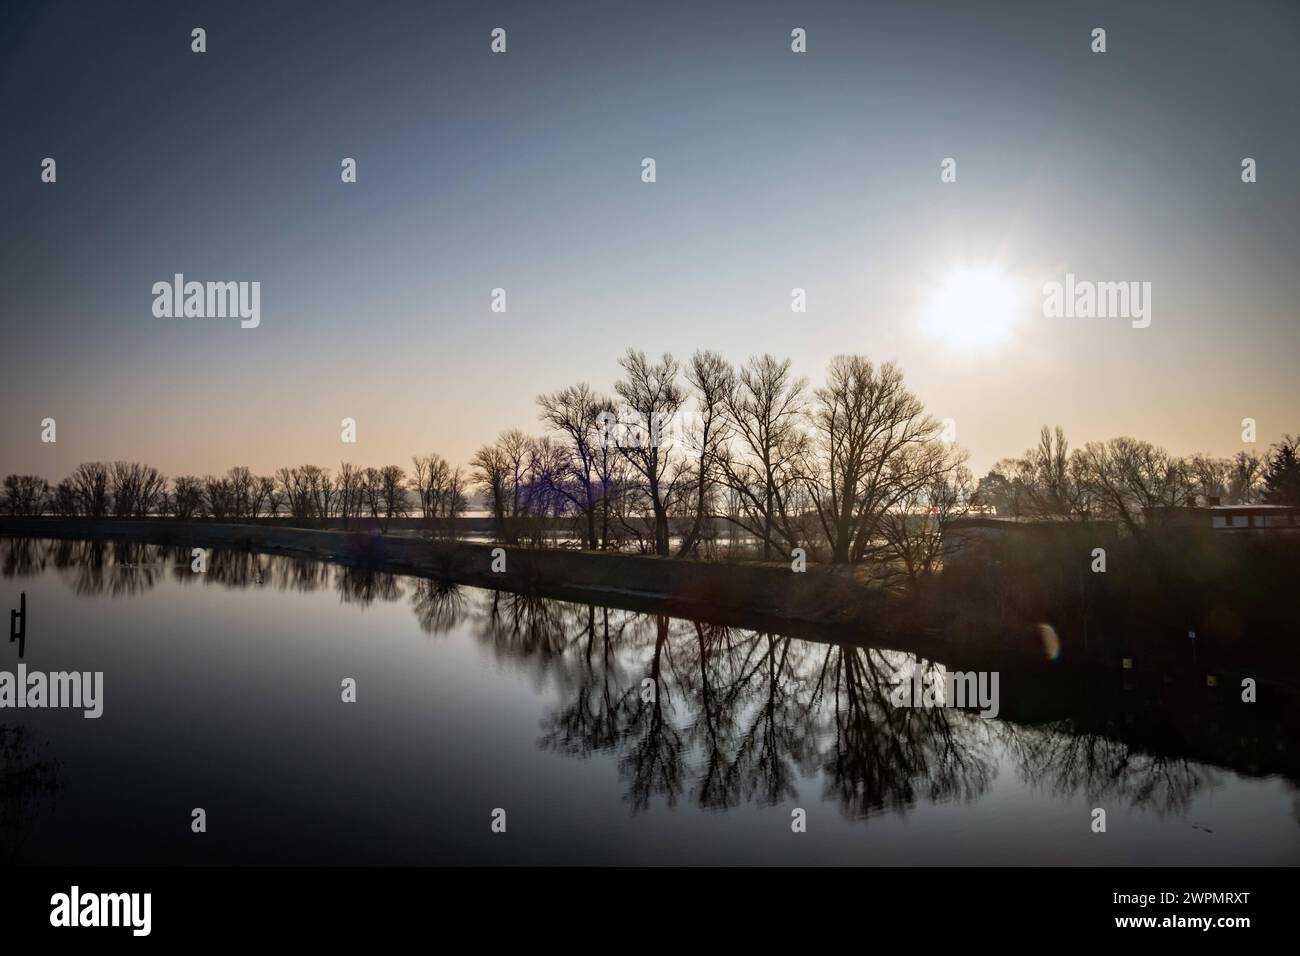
1124	479
854	472
308	492
677	450
839	471
122	489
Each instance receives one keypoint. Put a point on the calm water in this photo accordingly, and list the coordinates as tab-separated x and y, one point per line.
222	691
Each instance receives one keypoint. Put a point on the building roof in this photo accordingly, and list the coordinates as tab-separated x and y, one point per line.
1021	521
1247	509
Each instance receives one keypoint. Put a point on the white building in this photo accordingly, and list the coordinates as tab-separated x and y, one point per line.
1252	517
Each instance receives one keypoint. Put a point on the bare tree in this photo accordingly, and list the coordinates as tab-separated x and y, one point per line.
1246	478
135	489
1128	479
499	472
1209	476
295	486
713	381
321	490
187	497
915	529
64	501
372	493
384	491
766	409
123	488
440	490
547	490
1052	483
348	491
218	497
492	475
392	490
1047	481
868	429
423	480
241	482
262	496
25	495
580	414
653	398
452	500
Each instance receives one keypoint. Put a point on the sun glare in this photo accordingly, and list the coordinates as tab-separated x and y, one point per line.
973	309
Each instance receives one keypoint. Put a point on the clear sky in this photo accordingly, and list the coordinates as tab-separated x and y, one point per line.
775	170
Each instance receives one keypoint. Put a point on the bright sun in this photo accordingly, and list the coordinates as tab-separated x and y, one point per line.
973	309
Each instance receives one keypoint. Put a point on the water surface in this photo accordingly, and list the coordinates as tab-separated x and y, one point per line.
223	691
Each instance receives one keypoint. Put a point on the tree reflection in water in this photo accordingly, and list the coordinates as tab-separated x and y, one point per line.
1064	761
732	716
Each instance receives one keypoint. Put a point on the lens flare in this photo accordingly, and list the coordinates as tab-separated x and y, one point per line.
1051	643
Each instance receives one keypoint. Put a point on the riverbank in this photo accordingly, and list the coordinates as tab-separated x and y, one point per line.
752	594
1191	607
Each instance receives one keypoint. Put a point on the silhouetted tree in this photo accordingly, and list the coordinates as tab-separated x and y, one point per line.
872	447
1126	478
295	485
766	408
579	412
1282	476
25	495
348	491
916	529
64	500
713	382
263	496
653	399
187	497
499	471
91	483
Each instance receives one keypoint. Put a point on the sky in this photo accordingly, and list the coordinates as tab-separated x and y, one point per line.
775	170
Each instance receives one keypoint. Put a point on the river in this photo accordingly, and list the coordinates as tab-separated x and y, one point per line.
489	727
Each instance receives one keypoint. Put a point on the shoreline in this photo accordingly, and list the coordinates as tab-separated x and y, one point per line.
761	595
827	606
824	604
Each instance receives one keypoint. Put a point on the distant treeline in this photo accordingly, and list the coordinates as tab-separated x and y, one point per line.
1124	478
853	472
